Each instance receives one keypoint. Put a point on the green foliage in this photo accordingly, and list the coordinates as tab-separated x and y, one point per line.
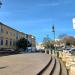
52	46
68	43
23	43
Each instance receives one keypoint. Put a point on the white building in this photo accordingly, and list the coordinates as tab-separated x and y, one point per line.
39	46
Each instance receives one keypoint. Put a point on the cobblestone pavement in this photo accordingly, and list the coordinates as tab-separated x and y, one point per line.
23	64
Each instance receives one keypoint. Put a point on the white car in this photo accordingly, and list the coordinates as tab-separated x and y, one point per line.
72	51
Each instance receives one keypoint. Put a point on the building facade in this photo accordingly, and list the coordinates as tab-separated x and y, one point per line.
32	40
9	36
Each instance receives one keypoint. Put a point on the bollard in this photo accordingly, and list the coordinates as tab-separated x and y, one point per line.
50	52
45	51
58	54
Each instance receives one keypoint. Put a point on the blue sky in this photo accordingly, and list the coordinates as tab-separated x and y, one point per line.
37	16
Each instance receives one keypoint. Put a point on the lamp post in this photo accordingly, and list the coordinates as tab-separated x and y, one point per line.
53	30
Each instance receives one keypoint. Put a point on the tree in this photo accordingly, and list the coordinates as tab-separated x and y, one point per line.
69	40
23	43
52	44
46	42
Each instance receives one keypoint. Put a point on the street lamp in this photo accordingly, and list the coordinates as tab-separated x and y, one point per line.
53	30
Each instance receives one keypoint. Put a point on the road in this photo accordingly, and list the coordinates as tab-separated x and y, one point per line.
23	64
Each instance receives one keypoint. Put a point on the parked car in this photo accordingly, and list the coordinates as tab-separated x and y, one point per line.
66	50
72	51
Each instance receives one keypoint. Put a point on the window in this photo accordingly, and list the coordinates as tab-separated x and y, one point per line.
14	43
2	30
16	36
1	41
10	42
6	42
6	32
10	33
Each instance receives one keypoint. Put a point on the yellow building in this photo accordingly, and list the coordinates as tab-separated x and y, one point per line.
8	36
32	40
